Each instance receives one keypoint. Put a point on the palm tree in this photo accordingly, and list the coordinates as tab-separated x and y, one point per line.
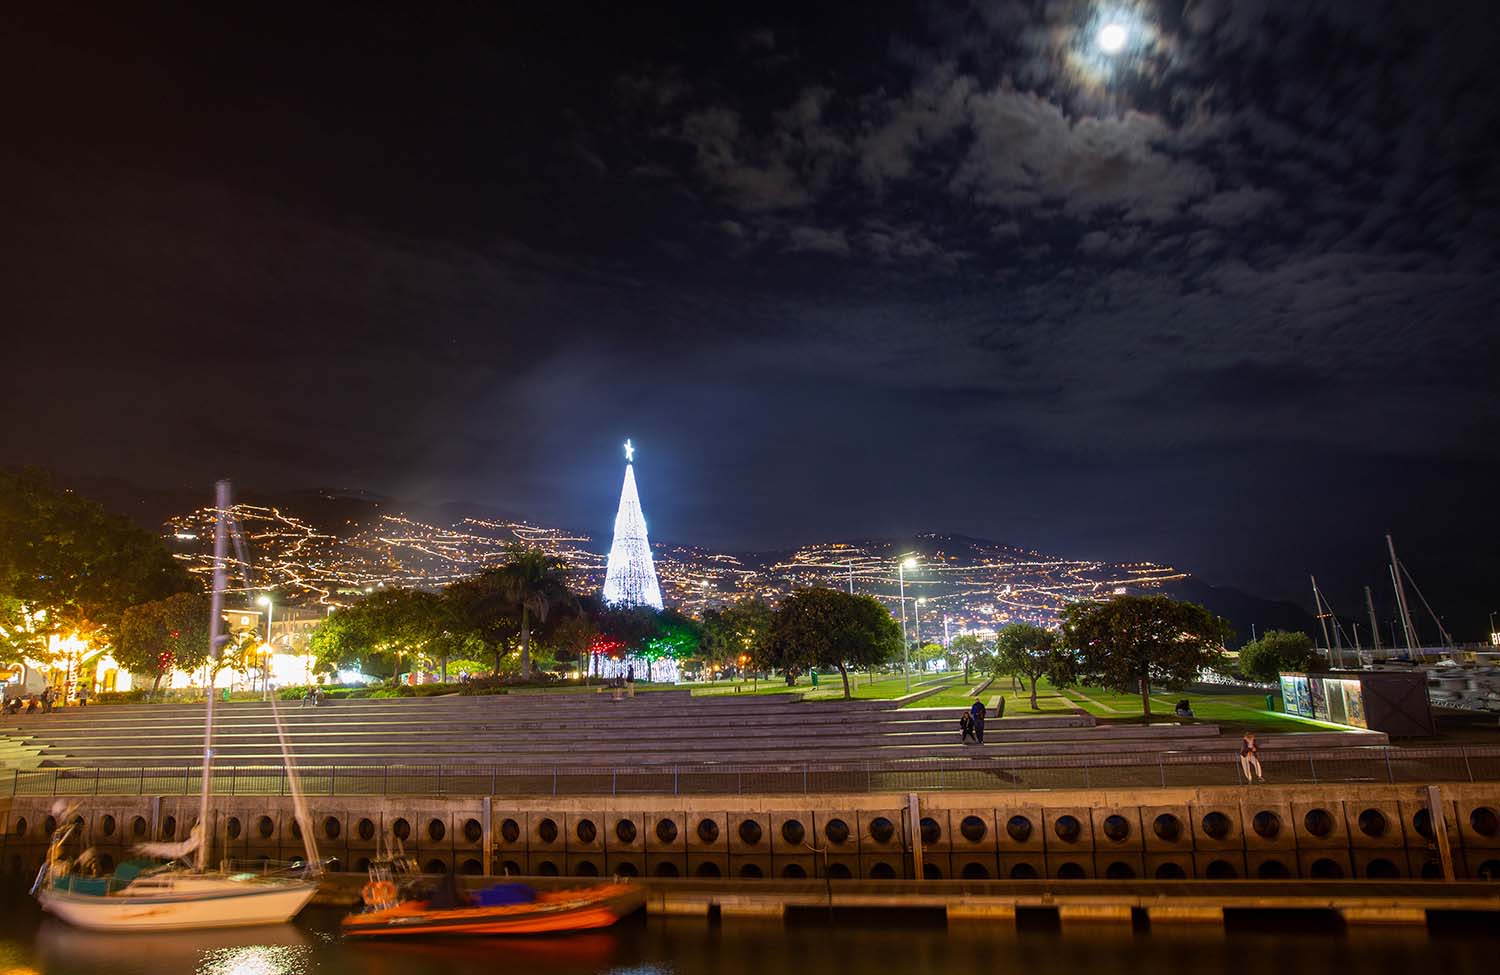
532	581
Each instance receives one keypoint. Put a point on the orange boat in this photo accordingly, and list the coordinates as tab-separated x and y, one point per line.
548	912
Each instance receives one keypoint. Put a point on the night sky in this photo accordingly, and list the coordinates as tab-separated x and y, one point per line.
1225	299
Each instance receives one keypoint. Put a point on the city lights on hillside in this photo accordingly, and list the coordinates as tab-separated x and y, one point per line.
976	584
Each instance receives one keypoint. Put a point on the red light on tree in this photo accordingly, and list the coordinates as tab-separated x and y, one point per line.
604	646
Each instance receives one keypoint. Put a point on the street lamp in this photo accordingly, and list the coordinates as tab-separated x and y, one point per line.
907	563
265	600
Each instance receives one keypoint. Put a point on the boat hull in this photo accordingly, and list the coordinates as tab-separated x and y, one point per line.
258	904
552	913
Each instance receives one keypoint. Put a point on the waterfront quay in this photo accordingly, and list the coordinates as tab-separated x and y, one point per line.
1177	855
854	806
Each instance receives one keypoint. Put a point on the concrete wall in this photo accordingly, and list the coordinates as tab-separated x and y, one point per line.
1374	831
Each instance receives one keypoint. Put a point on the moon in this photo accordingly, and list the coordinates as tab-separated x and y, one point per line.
1112	38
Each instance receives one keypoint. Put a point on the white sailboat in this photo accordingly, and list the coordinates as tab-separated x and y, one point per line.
177	900
182	896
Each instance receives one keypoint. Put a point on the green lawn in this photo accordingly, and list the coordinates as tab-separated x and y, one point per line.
955	697
1233	713
891	687
830	686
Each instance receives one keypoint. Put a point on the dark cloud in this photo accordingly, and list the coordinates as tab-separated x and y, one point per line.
838	270
816	240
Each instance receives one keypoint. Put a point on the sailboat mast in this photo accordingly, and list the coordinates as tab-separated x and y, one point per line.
215	628
1374	623
1401	607
299	800
1322	620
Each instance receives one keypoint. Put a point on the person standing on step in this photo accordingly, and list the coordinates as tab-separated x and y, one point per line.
966	725
976	712
1250	758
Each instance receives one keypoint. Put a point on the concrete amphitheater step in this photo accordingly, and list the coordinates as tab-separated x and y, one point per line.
1080	719
118	718
625	754
443	708
665	735
657	728
311	746
465	715
655	724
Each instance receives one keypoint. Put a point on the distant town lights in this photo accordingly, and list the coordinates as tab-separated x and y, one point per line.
983	589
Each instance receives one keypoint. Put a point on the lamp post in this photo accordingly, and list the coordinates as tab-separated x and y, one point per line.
916	618
901	567
265	695
266	650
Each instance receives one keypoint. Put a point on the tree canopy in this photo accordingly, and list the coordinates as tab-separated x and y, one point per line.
1129	643
926	653
532	583
480	608
1031	652
516	607
510	607
572	639
735	631
67	565
1275	651
165	634
967	651
830	628
383	627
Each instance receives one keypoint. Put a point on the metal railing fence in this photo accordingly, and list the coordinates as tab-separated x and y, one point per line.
1375	764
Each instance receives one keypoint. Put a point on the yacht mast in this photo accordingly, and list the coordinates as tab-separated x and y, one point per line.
1374	623
215	639
1318	605
1401	607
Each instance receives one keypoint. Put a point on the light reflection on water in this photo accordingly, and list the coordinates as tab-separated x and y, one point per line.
282	949
256	960
313	946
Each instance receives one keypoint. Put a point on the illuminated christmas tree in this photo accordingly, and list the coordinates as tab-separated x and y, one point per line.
630	579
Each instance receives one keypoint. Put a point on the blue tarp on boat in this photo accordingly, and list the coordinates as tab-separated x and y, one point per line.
500	895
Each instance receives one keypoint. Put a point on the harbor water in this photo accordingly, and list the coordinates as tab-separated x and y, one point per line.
33	944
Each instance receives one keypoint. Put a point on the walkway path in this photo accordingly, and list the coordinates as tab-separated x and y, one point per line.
1084	697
